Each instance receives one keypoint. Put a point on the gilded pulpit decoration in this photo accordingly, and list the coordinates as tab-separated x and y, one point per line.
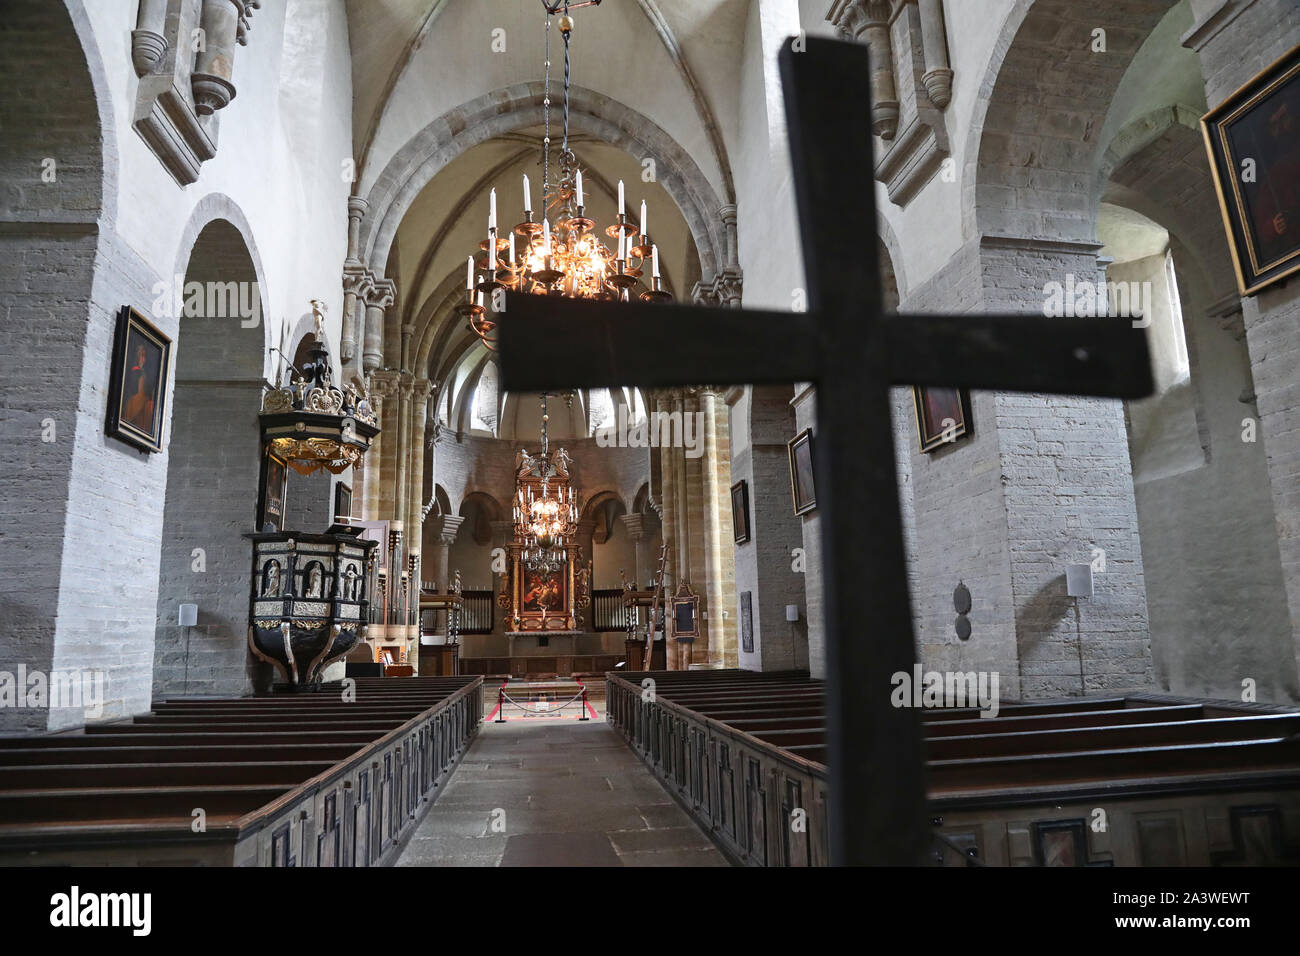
313	424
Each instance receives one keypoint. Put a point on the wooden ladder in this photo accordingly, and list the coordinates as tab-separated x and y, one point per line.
648	657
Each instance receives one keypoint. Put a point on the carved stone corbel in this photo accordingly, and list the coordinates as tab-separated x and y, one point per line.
148	43
934	40
222	23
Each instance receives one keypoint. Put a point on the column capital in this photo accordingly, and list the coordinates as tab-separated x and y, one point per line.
634	524
421	389
357	207
444	526
356	279
383	383
380	293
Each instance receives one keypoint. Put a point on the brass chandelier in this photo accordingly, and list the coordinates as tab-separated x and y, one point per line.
568	258
545	510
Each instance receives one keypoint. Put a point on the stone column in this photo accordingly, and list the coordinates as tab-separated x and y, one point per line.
642	570
382	388
440	533
415	455
719	598
355	279
1062	466
402	451
379	296
867	21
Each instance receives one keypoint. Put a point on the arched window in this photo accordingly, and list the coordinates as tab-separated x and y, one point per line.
601	409
484	413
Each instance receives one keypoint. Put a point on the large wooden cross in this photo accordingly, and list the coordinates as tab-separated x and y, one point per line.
853	352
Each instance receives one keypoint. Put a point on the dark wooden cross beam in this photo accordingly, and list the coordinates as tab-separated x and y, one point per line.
853	352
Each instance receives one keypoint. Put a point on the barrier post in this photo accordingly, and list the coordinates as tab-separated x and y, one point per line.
501	704
584	701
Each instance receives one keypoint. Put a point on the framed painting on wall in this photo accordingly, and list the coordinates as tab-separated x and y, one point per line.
275	480
342	503
137	391
740	510
747	621
1253	138
802	488
942	415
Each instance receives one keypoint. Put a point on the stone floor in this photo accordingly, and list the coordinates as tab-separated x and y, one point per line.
555	792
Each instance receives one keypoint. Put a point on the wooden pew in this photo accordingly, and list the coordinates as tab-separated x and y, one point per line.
281	780
743	751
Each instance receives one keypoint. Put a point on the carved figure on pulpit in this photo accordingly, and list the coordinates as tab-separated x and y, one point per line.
271	579
351	581
315	581
523	462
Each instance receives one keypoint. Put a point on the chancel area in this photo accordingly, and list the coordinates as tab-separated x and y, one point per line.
691	433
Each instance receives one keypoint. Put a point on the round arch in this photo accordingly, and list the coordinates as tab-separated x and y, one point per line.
1043	65
519	107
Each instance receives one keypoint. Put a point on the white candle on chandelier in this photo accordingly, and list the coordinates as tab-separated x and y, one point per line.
621	209
492	209
546	238
469	275
622	245
512	248
644	230
654	261
528	196
579	182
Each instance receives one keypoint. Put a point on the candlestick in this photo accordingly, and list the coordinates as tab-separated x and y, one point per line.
528	197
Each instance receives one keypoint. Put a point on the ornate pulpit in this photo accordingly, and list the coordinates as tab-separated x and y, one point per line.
311	600
310	591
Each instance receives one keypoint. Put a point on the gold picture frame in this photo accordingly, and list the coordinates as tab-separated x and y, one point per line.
1253	141
137	393
935	405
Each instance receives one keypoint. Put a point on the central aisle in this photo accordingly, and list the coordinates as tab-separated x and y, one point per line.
555	792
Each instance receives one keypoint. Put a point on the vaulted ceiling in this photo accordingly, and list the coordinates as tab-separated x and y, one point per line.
674	62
